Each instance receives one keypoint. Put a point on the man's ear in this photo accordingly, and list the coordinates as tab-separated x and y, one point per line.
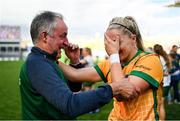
43	36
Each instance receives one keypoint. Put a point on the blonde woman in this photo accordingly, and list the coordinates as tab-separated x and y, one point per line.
123	43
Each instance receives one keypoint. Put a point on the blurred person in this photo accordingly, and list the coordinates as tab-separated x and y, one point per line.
158	49
143	70
81	55
174	51
88	62
87	57
44	90
175	76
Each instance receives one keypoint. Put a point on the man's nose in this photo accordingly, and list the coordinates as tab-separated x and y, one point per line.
65	42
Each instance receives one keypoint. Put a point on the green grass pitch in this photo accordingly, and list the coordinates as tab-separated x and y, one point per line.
10	97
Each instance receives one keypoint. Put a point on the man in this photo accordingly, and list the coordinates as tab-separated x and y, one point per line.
174	51
175	61
44	90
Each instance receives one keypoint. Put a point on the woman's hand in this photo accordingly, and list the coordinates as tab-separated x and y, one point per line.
111	45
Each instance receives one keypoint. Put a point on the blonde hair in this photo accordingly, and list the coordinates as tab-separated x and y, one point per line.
129	26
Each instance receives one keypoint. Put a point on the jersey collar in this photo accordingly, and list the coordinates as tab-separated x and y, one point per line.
137	53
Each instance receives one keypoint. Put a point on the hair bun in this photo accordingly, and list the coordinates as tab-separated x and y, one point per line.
130	18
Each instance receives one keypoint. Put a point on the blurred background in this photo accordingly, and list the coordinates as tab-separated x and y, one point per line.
87	21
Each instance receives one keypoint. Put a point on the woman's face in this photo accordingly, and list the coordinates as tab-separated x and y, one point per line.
127	44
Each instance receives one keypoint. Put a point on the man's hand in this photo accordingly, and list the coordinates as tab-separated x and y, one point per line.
72	52
124	90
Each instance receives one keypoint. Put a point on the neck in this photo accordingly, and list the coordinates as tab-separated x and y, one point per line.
131	55
44	47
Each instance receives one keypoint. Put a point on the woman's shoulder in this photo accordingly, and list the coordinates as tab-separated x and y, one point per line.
148	55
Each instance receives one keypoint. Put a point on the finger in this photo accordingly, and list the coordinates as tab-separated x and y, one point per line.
138	90
105	43
130	98
105	35
76	46
135	94
117	39
118	98
71	46
107	38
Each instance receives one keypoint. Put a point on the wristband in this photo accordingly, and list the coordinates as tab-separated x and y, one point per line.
75	64
114	58
79	65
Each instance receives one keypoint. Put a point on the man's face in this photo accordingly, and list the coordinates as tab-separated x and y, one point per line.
58	37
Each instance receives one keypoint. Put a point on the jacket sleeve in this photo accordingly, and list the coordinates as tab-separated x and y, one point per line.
75	86
47	83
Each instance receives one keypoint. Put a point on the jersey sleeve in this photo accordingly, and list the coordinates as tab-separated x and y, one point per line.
103	69
150	69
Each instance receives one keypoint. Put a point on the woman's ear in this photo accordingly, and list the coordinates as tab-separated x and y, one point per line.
133	37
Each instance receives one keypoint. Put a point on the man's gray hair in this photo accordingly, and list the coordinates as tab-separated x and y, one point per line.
43	22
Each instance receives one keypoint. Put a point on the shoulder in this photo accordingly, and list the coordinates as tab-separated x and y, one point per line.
38	63
149	67
150	61
150	58
41	70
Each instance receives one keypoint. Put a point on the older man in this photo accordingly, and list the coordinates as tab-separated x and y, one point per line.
44	90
